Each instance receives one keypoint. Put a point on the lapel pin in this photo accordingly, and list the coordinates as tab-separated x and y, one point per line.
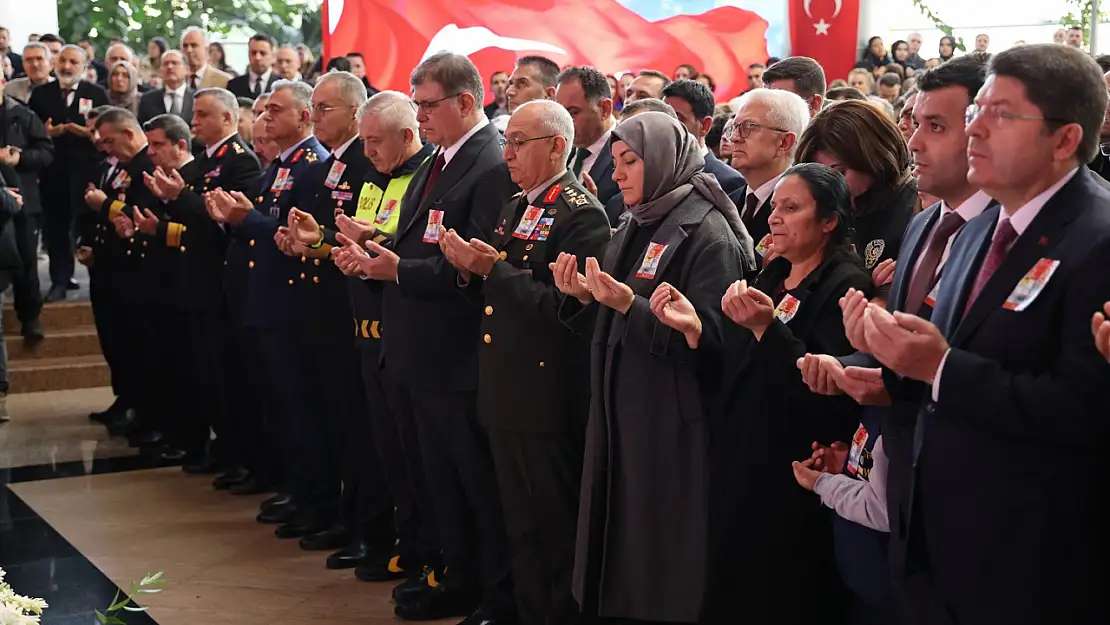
1043	242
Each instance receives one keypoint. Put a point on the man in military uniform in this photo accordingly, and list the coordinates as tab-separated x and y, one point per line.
537	441
258	281
390	137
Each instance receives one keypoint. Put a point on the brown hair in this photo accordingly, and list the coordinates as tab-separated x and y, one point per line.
862	139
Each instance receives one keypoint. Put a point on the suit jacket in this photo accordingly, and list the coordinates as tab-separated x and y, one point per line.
758	226
117	260
602	175
240	86
729	178
17	63
19	88
19	127
1032	551
74	155
431	329
254	263
214	78
153	103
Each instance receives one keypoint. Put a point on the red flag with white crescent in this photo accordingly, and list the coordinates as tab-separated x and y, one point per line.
827	31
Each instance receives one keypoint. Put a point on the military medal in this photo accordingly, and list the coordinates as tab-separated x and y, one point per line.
213	173
650	263
543	229
1031	285
280	180
787	308
122	180
431	231
528	222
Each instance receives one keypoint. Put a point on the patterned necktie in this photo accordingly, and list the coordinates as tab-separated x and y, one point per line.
1000	246
925	277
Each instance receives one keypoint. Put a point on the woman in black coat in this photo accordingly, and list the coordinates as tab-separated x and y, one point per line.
770	543
642	524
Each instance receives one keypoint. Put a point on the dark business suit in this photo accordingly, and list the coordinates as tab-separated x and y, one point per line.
240	86
758	225
430	356
153	104
17	63
729	179
602	175
63	182
1033	551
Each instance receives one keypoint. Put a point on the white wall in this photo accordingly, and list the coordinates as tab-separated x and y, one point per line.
22	18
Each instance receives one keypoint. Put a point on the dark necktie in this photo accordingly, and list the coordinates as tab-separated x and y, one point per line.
65	96
257	87
751	205
1000	246
433	175
193	82
580	156
925	277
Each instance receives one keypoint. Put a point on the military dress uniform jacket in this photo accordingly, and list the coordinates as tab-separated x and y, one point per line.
115	258
323	303
259	277
525	347
197	243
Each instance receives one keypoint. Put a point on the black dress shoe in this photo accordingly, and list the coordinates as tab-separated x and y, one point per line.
381	569
332	538
145	438
73	285
101	417
349	557
33	333
57	293
249	486
232	477
204	465
301	526
481	617
169	454
441	602
280	499
278	515
416	586
120	422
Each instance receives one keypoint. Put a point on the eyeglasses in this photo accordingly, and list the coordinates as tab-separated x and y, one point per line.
430	105
516	143
323	109
744	129
994	116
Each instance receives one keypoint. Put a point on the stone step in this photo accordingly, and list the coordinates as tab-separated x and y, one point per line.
55	374
55	316
79	341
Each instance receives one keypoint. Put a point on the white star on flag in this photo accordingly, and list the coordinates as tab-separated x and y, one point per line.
822	27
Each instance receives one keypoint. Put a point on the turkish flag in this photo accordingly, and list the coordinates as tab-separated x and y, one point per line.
826	31
394	35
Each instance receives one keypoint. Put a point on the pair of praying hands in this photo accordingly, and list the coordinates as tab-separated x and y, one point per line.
165	185
141	219
227	208
469	258
593	286
745	305
359	255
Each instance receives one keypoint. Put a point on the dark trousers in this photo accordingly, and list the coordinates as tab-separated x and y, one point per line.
198	367
463	486
331	383
111	315
61	197
162	398
243	440
25	283
919	602
540	479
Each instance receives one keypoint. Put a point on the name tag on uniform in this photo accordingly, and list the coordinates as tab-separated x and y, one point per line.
84	106
334	174
543	229
787	308
859	441
385	212
122	180
280	180
1031	285
650	263
431	231
528	222
764	245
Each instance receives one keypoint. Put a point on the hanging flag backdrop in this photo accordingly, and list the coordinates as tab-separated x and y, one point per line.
826	30
394	35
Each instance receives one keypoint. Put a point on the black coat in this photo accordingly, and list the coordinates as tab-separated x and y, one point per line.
153	104
73	155
1024	541
729	179
21	128
115	259
240	86
10	262
648	439
17	63
758	225
524	345
430	333
602	175
881	216
765	419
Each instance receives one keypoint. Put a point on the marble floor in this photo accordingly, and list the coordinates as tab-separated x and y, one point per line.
82	515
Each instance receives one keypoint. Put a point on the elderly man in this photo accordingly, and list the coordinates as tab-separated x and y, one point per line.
553	219
194	45
287	63
763	137
37	63
175	96
584	92
62	106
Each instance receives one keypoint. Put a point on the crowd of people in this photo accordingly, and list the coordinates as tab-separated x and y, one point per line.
582	354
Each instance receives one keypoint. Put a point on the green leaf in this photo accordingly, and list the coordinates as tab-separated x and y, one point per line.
100	617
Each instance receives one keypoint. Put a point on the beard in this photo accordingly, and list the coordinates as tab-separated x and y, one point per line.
67	81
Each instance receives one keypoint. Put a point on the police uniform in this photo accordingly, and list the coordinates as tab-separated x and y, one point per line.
533	389
196	246
266	307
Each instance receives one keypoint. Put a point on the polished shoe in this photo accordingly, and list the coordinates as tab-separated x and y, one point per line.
121	422
57	293
169	454
33	333
205	465
381	569
301	526
440	602
234	476
249	486
73	285
279	499
145	438
330	539
278	515
349	557
415	587
481	617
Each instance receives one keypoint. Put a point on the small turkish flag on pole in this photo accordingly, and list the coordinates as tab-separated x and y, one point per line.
826	31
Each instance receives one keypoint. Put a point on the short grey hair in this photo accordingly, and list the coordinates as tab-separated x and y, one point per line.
301	92
786	110
224	98
174	52
393	109
351	90
40	46
193	29
130	52
646	105
73	46
553	119
887	107
453	72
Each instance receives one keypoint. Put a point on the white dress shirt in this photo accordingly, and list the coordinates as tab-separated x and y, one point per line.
450	152
254	80
286	154
595	149
200	76
762	194
341	150
1019	221
179	93
970	209
210	150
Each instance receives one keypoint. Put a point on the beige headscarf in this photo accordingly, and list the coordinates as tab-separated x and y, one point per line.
673	169
130	99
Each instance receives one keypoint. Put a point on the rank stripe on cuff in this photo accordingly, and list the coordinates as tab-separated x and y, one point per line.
115	208
173	234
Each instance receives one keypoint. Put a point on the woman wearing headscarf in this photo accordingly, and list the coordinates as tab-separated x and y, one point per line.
123	87
946	49
876	55
641	551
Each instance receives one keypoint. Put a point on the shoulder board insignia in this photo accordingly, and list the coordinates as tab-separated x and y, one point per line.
310	157
220	153
552	193
238	148
297	156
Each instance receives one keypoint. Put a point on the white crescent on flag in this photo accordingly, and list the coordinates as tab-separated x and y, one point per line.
806	3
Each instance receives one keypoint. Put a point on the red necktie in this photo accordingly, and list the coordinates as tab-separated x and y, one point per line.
433	175
193	82
1003	238
925	277
751	206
